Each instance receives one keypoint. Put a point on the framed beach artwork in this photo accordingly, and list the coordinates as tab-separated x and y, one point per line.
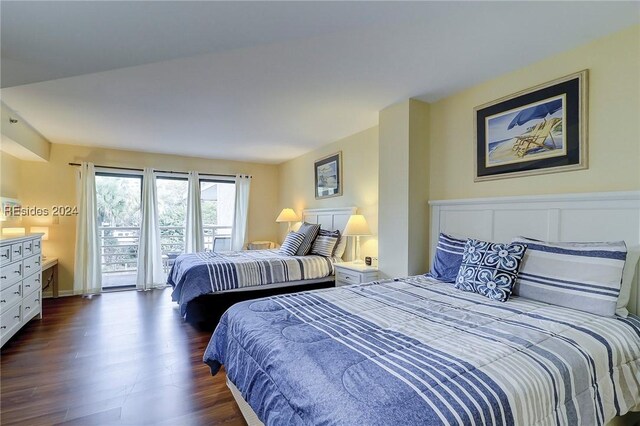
328	176
539	130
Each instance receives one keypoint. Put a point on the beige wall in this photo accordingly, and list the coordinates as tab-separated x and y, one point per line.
614	124
393	190
53	183
404	188
9	175
360	182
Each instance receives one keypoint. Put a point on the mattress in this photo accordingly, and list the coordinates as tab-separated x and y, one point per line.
417	351
196	274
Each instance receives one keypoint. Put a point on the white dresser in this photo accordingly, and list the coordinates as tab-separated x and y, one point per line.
20	283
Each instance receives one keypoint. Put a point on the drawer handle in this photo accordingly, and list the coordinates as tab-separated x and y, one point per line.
16	292
18	271
16	317
4	301
27	266
4	277
26	308
3	327
37	262
6	255
27	285
37	300
37	280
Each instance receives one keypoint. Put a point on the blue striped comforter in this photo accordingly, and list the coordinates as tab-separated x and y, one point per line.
416	351
196	274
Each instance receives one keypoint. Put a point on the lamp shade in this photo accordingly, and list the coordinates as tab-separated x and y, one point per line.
40	230
12	232
287	215
357	225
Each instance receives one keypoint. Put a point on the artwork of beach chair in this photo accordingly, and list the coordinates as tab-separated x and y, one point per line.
536	137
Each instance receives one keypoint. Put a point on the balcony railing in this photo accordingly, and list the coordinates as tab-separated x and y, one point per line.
119	245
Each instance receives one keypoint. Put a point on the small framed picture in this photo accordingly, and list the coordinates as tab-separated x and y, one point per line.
539	130
328	175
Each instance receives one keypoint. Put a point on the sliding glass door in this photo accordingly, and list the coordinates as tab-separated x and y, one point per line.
172	209
218	201
119	215
118	202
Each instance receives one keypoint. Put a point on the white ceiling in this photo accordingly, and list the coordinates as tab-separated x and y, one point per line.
263	81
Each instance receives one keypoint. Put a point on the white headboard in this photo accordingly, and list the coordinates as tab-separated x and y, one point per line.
331	219
602	216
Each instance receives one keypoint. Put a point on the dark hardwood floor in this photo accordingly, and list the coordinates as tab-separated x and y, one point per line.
123	358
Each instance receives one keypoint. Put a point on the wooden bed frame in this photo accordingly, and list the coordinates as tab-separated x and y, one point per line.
567	217
204	312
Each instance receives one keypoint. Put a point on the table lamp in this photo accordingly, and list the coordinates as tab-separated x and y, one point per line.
287	215
356	227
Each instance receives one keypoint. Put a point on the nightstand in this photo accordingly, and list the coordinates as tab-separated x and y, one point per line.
351	273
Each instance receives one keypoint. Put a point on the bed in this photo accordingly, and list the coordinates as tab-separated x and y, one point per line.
205	284
418	351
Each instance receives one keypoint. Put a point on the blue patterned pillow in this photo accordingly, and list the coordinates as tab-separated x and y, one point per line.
291	243
490	269
447	259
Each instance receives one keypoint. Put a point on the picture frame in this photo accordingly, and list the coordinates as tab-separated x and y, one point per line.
328	176
539	130
7	205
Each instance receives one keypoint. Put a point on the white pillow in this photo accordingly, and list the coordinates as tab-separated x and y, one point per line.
340	247
633	254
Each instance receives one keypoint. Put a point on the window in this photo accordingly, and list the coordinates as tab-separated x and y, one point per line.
172	212
119	214
218	199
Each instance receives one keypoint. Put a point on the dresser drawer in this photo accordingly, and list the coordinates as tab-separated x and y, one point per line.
5	254
31	283
10	273
16	251
348	277
31	305
31	265
37	246
10	320
27	248
10	296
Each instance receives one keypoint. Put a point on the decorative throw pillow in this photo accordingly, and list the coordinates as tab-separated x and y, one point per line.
585	276
447	259
490	269
310	232
340	247
633	254
325	243
291	243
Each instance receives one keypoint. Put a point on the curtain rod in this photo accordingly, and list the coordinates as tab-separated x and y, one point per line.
159	171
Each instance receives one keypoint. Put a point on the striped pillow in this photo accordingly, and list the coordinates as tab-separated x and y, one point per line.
582	276
310	232
324	245
447	259
291	243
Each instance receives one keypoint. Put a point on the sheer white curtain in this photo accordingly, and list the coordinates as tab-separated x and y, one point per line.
150	273
241	213
87	277
194	236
